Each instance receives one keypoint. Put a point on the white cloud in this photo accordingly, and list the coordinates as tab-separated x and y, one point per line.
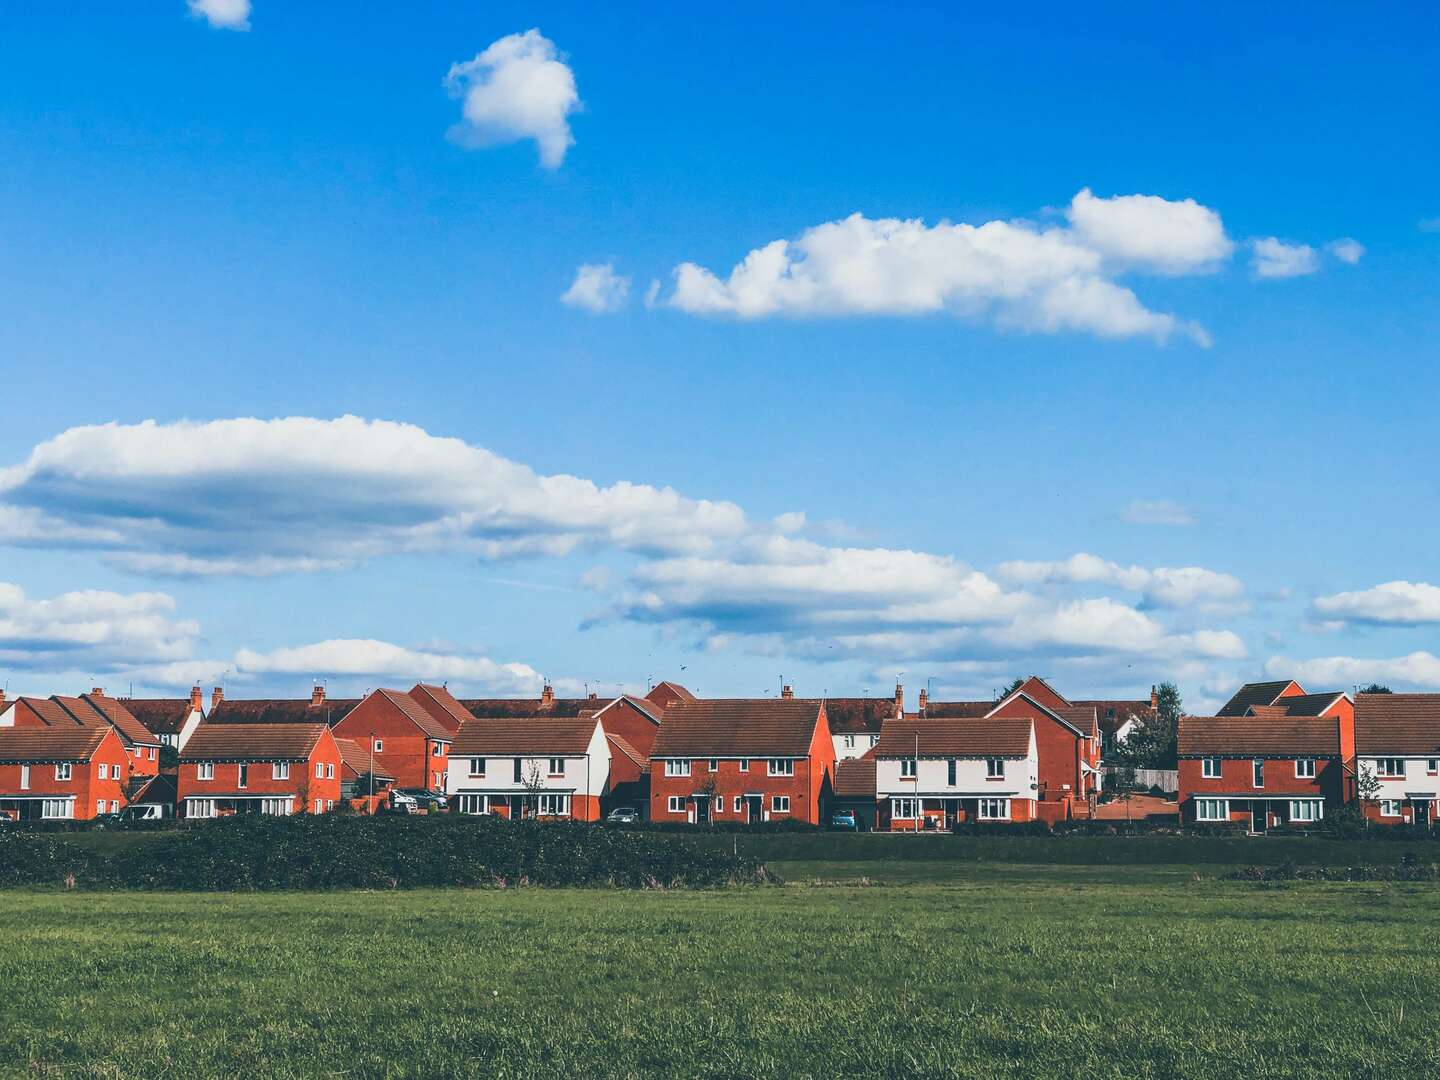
91	629
518	88
1274	258
1016	273
1346	250
222	14
352	657
1145	230
1156	512
1406	603
1166	586
250	496
597	289
1420	668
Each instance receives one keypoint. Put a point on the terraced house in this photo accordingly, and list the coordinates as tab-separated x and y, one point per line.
1397	746
263	768
937	773
741	760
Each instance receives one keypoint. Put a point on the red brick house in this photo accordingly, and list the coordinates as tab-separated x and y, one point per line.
409	741
268	768
1264	770
94	709
62	771
547	704
742	760
530	766
668	693
937	773
318	708
1067	738
365	783
635	719
1397	744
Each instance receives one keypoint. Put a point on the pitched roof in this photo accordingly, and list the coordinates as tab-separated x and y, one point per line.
653	709
495	707
738	727
622	746
524	736
852	716
1397	724
161	788
956	737
50	712
666	688
114	712
936	710
1112	714
358	760
1267	736
1253	693
252	742
280	711
163	716
441	704
855	778
60	743
1082	717
1307	704
417	714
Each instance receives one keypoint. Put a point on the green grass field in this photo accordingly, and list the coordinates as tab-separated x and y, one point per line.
975	967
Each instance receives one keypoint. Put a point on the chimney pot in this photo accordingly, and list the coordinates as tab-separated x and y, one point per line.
899	701
924	700
97	691
1154	697
547	695
787	691
217	695
196	699
317	696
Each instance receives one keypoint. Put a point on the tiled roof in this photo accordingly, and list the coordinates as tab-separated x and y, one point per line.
417	714
738	727
280	711
1397	724
357	759
1112	714
50	712
1308	704
163	716
654	710
622	746
857	715
60	743
252	742
524	736
935	710
158	789
1254	693
496	707
956	737
1244	736
441	704
113	711
1082	717
855	778
674	688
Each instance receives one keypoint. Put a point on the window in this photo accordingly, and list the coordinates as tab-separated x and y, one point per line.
739	804
994	768
153	752
1257	772
782	767
1389	807
1305	810
319	770
99	806
62	771
780	804
902	808
677	767
950	772
714	764
24	777
744	764
719	804
676	804
554	805
379	745
477	767
199	808
519	778
849	742
557	766
1430	766
319	806
275	807
474	804
242	774
1210	768
114	806
907	768
994	810
329	770
1212	810
205	770
55	808
1390	766
438	780
1305	768
439	749
280	770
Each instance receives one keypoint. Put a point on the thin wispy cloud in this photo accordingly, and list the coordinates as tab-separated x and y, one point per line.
1275	258
1156	512
222	14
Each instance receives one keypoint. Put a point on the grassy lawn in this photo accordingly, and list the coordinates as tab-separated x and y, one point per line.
1052	971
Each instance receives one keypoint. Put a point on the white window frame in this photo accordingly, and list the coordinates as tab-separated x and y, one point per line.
242	774
994	768
24	777
848	741
1381	770
319	806
474	804
781	767
1257	773
993	810
676	804
205	770
557	766
99	806
739	803
713	764
379	746
153	752
199	808
744	764
319	770
1211	768
909	766
1212	809
476	766
1390	807
277	807
719	804
1306	810
903	808
552	804
677	766
329	770
280	770
1432	766
62	770
1305	768
56	809
779	804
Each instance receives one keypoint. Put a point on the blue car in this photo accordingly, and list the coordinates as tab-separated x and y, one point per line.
844	819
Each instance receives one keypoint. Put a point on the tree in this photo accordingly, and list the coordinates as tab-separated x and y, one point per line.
1015	685
1376	688
534	784
1153	743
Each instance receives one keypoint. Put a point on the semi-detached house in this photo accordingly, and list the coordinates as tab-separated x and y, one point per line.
1397	746
279	769
533	766
941	772
62	772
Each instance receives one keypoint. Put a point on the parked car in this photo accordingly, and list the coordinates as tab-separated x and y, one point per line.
143	812
418	800
107	821
623	815
844	819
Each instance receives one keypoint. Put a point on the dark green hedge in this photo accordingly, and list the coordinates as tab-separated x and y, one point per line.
344	852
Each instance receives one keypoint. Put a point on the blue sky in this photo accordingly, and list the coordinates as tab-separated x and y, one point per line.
201	222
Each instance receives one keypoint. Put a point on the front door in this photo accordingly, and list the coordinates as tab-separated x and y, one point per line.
752	809
1257	817
1422	812
702	809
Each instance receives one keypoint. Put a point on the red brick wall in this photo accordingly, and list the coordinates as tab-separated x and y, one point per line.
632	725
84	782
730	782
1280	779
408	752
302	784
1057	747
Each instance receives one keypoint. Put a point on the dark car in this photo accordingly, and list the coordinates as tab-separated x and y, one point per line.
423	801
623	815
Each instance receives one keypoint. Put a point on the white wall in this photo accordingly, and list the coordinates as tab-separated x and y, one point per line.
500	772
192	721
1021	778
1416	778
863	742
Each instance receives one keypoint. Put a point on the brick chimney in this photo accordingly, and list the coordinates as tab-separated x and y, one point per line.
1154	697
787	691
547	696
924	700
217	695
2	700
899	700
97	691
317	697
196	699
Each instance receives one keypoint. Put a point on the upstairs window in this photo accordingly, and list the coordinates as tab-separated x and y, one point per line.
280	770
994	768
907	768
1210	768
950	770
714	764
379	746
205	770
782	767
677	766
519	771
1305	769
1257	772
62	771
849	742
557	766
1390	766
744	764
477	766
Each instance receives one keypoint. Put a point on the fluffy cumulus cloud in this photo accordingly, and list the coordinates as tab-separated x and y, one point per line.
222	14
1274	258
91	630
1019	274
598	289
1164	586
253	496
518	88
1156	512
1348	251
1417	669
1401	603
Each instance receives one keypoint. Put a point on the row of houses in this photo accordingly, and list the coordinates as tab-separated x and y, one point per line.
1273	757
